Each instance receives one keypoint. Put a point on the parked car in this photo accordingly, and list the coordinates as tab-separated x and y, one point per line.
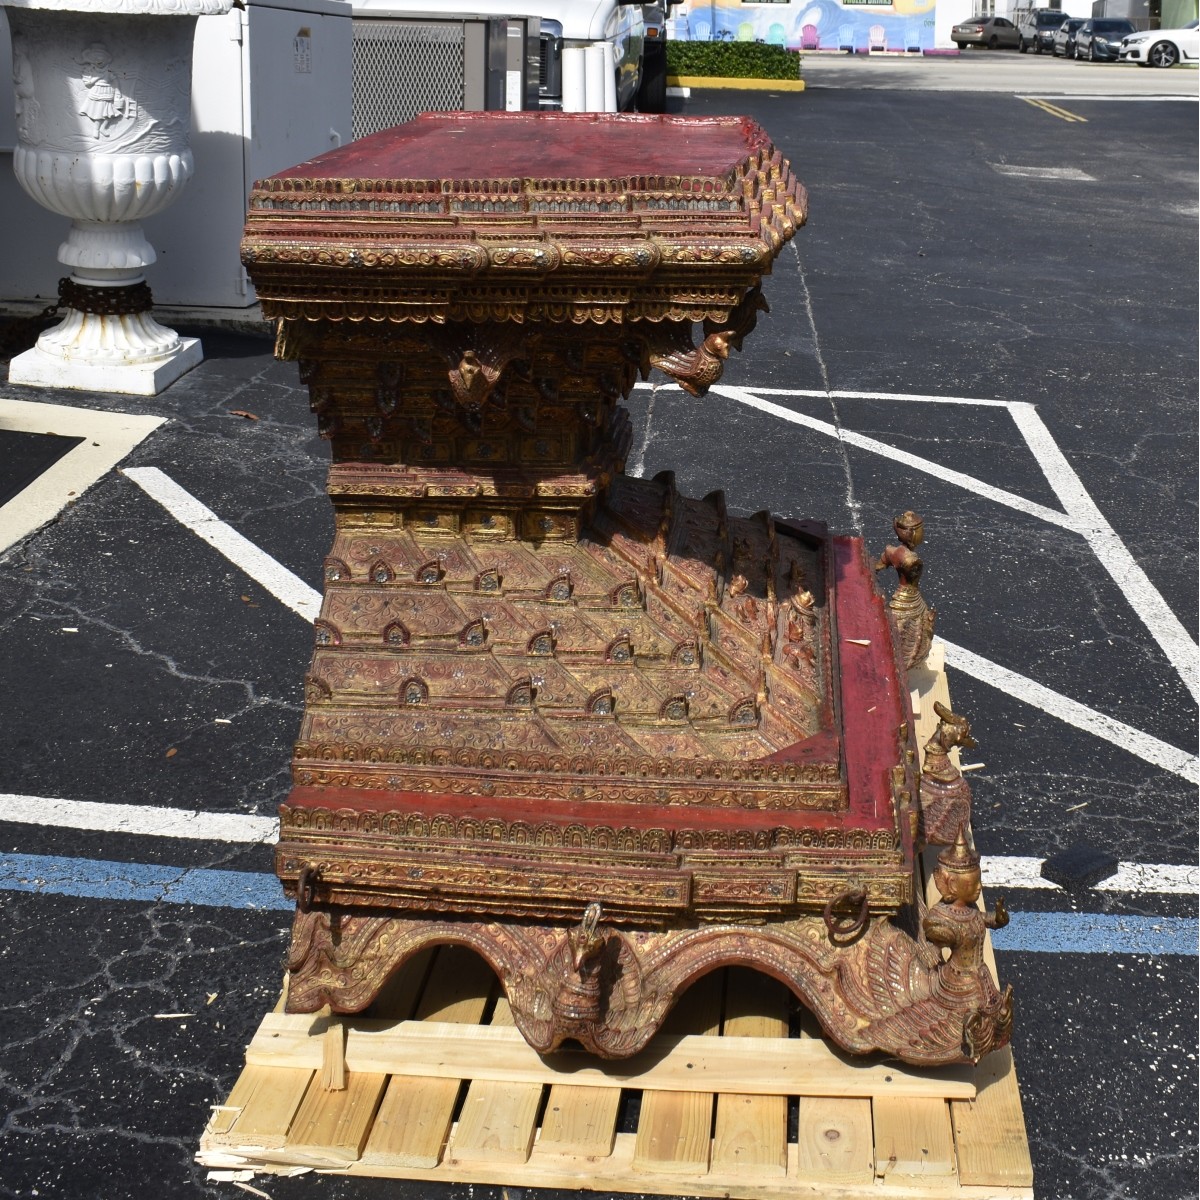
1099	40
992	32
1162	47
1037	29
1064	37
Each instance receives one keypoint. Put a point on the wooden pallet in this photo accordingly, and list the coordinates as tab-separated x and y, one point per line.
738	1095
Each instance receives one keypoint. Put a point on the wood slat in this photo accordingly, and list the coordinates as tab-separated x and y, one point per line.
674	1133
334	1125
397	999
458	989
260	1108
750	1134
413	1122
989	1131
680	1063
579	1122
498	1119
618	1174
835	1141
928	683
913	1138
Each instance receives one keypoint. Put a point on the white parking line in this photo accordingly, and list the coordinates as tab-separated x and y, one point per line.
107	438
284	585
1011	871
751	398
1110	551
1076	96
143	819
1080	515
225	828
1029	691
1065	174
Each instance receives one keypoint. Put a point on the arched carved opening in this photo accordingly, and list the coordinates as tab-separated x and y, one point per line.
439	981
739	1000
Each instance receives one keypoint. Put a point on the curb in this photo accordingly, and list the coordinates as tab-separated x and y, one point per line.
746	85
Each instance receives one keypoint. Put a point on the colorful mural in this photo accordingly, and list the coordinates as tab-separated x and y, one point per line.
858	25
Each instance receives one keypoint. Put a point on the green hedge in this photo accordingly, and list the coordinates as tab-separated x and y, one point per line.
732	60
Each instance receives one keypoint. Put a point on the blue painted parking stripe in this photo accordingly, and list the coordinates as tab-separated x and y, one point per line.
1029	932
148	883
1097	933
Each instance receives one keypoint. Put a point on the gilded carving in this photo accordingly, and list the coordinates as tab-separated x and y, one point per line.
945	794
585	725
914	618
609	987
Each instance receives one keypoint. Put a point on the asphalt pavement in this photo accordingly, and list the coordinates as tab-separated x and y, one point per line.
1005	71
990	318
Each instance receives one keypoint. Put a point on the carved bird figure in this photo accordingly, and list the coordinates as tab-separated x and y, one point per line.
694	368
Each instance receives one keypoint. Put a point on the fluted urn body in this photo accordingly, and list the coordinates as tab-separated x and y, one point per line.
102	93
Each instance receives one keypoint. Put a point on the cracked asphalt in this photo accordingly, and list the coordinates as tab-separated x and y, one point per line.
143	668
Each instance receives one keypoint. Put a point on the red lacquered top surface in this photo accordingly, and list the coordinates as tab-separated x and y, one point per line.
565	146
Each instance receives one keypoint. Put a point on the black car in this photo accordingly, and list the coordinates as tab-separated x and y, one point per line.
1099	40
1038	27
1064	38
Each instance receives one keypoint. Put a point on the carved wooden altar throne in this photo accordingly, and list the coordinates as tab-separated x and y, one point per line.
608	736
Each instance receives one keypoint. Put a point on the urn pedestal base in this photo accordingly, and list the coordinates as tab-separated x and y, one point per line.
36	368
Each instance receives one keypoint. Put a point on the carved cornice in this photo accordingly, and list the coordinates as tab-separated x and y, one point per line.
593	788
760	784
618	248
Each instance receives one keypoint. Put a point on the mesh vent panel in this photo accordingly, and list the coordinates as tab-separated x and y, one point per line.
401	68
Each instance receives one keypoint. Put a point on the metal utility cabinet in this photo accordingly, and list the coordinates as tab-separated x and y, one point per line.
413	56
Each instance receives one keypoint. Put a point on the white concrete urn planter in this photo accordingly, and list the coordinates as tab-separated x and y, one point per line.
103	106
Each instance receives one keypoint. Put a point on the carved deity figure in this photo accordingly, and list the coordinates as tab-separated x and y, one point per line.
103	103
960	925
945	794
801	625
914	618
28	111
802	617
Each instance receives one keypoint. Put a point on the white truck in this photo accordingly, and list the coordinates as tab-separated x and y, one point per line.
414	56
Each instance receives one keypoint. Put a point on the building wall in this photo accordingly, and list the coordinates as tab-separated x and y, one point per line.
811	24
1177	13
1137	11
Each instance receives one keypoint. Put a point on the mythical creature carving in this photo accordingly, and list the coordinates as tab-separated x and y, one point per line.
477	356
697	368
876	987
